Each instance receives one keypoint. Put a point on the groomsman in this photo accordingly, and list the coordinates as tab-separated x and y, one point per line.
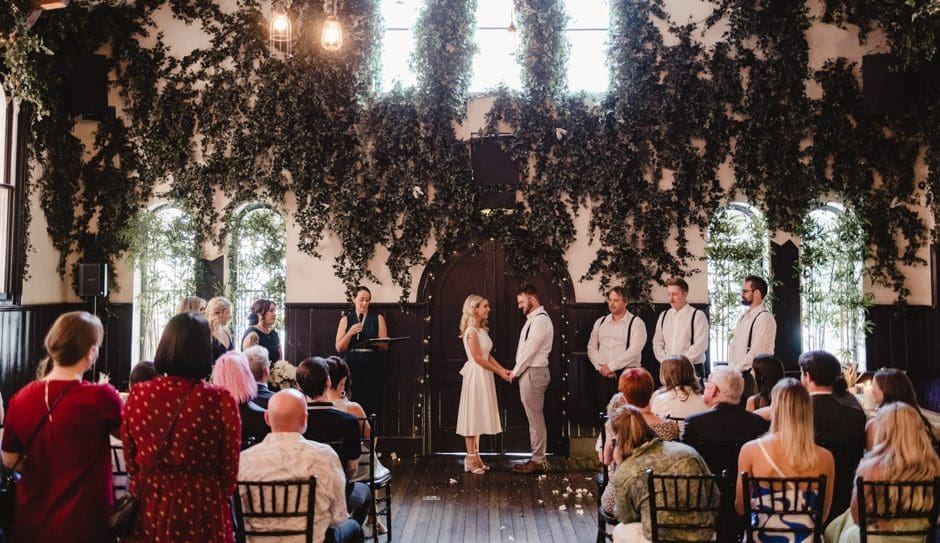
681	329
616	342
535	344
755	333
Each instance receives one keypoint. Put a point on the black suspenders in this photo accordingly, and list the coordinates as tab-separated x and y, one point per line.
750	334
629	328
662	324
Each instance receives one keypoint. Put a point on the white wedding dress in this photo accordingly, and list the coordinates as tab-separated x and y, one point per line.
479	411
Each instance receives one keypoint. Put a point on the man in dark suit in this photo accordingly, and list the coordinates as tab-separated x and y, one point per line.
258	362
333	427
838	423
718	435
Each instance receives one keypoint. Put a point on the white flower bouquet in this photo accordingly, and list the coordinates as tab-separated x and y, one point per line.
283	375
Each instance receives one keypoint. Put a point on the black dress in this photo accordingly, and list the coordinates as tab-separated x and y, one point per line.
366	364
270	341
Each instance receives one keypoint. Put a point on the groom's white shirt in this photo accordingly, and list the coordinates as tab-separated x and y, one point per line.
535	342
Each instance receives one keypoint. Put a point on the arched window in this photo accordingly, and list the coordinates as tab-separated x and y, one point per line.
257	264
832	300
738	245
398	41
163	250
588	25
495	61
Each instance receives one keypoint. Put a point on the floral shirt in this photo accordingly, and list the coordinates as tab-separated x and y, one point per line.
629	484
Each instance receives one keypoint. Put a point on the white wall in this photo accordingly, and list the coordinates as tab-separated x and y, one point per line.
312	280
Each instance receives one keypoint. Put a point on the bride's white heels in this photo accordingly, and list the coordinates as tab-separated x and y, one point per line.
476	467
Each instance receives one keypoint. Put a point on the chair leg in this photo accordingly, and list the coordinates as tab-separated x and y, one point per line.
388	511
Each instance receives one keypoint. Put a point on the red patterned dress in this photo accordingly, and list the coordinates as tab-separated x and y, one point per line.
187	494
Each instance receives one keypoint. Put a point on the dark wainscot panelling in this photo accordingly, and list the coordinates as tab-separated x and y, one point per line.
23	328
311	331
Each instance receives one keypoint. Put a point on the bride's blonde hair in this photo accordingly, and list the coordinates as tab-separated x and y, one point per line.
468	319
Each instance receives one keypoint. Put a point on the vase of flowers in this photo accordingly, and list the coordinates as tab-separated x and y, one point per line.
283	375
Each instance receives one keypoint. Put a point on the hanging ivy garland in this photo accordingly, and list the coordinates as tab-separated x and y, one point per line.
387	170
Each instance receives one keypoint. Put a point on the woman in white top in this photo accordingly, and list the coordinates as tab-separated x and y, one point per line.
679	396
479	412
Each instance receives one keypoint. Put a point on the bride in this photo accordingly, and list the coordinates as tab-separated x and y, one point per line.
478	413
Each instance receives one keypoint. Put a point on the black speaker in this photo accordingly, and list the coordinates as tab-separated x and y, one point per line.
88	88
887	87
92	280
491	165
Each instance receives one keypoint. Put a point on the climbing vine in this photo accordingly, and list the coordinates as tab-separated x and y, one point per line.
230	122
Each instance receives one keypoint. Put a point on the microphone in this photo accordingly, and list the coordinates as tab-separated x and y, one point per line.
360	316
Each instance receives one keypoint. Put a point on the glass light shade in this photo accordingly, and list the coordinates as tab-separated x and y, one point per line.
512	39
280	32
332	37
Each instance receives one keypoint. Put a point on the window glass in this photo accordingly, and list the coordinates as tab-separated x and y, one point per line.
257	265
166	266
495	61
398	42
588	24
832	300
738	246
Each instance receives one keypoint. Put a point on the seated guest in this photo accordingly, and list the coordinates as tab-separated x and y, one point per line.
679	396
888	386
260	369
767	370
285	455
838	426
329	425
636	388
191	303
231	373
638	449
902	452
715	432
339	374
142	372
787	450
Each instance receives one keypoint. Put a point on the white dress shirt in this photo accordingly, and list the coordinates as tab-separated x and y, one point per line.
284	456
764	326
674	331
608	342
535	341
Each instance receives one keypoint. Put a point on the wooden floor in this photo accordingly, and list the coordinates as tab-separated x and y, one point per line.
434	500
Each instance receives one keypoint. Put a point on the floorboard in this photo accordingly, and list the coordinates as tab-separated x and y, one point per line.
434	500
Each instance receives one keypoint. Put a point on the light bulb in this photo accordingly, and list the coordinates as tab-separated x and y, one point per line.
280	22
512	43
332	37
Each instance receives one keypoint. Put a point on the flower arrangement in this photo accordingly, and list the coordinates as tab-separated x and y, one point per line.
283	375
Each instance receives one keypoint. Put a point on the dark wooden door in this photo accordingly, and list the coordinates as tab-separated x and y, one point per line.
482	270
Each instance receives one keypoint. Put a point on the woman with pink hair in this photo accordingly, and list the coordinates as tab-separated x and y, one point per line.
232	373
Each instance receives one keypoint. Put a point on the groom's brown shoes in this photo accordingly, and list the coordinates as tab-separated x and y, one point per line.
529	467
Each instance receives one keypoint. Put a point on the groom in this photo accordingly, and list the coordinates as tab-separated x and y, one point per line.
535	343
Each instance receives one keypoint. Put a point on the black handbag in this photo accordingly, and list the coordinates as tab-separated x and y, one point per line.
10	477
124	513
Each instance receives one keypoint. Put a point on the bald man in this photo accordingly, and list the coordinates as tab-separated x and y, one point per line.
284	455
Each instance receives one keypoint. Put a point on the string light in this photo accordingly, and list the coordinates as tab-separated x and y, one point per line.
331	38
280	31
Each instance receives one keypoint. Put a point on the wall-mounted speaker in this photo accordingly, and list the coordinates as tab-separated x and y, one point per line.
887	86
491	165
88	87
92	280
